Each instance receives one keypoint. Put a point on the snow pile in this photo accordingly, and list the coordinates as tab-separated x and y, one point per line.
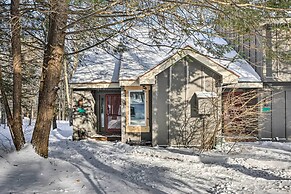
89	166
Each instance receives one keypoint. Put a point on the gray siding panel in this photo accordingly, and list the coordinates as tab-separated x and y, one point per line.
288	114
277	123
278	115
154	115
177	99
265	118
161	108
266	131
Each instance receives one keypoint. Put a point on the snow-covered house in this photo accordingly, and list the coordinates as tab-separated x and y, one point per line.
149	93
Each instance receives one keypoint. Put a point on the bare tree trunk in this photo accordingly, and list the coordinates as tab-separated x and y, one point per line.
50	76
17	136
55	125
6	106
17	76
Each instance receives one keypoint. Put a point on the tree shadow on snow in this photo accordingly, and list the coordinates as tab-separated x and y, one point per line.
18	179
268	157
136	177
102	172
31	176
256	173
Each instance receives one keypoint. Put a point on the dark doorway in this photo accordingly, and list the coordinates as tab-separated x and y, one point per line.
113	113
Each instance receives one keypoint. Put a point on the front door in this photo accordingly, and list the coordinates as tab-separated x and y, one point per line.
112	112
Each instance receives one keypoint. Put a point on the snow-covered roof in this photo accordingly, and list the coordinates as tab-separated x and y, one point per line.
96	66
142	53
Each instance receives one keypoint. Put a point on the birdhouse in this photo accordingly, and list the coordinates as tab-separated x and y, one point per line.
205	102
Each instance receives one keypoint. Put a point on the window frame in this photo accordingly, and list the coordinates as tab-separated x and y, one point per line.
129	109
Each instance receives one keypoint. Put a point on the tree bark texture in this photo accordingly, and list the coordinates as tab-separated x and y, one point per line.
6	106
51	73
17	75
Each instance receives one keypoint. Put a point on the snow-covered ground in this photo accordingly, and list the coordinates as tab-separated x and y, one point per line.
106	167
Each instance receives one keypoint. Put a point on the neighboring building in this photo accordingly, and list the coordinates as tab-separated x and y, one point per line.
153	94
269	52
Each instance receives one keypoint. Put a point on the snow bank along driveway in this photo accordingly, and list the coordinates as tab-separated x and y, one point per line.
105	167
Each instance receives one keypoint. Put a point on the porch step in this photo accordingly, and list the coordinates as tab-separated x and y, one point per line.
114	138
99	138
106	137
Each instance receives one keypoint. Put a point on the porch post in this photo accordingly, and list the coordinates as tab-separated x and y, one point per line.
123	115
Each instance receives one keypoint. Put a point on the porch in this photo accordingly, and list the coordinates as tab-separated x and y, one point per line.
97	114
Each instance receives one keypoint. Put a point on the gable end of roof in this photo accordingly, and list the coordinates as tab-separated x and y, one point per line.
228	77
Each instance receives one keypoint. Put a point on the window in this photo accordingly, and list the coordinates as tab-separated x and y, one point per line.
137	108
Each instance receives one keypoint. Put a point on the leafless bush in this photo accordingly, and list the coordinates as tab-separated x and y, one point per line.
240	114
233	115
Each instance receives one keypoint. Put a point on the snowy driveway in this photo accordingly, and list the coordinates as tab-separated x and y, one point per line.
105	167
